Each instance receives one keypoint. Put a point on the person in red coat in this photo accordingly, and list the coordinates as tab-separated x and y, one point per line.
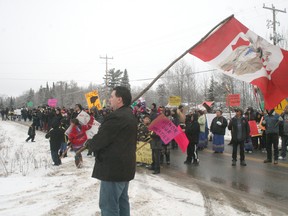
78	136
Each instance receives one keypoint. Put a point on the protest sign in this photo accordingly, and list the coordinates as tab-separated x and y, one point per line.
164	128
84	118
182	140
143	153
52	102
93	99
233	100
254	131
30	104
279	109
174	101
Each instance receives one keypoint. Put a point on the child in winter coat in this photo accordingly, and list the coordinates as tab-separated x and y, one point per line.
78	136
56	136
192	132
31	133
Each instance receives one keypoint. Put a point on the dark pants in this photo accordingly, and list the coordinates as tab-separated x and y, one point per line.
156	159
255	142
235	147
30	137
284	145
55	157
272	139
165	152
114	200
263	143
192	152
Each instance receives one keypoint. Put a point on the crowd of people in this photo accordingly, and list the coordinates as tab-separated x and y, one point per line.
271	126
122	125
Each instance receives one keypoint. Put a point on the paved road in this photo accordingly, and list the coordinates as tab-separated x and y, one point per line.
258	182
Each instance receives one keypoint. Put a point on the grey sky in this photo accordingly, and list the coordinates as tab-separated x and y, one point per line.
62	39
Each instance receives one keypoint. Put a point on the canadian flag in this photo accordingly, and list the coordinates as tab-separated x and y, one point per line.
242	54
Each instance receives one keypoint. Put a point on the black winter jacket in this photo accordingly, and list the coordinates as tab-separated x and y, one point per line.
234	129
115	147
192	131
218	129
56	138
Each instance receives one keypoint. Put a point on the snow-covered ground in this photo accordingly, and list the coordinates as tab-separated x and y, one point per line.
30	185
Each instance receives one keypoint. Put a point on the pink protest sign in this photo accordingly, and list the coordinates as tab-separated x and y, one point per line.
253	128
52	102
182	140
164	128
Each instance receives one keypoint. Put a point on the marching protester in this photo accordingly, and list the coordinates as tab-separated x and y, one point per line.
31	133
165	152
156	146
202	136
240	132
78	137
115	147
284	134
271	122
192	132
218	129
56	138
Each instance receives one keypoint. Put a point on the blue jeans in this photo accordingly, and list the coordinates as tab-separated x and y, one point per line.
114	200
63	146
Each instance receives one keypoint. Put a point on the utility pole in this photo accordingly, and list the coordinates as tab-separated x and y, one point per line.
276	37
106	78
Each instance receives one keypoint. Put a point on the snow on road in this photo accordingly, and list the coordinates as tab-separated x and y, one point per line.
30	185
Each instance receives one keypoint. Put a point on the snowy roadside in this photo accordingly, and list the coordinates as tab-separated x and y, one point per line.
30	185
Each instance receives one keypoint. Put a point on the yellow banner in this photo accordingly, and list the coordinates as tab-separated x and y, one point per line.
174	100
279	109
143	153
93	99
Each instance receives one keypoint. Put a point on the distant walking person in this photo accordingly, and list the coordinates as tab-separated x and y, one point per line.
115	147
271	122
31	133
240	132
218	127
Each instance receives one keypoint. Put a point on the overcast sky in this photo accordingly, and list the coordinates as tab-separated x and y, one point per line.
55	40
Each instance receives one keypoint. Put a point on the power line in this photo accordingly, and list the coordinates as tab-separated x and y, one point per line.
196	72
272	23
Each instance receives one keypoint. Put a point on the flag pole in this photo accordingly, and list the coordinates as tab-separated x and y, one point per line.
180	57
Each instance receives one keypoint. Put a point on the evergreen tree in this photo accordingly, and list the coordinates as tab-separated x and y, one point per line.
210	96
125	80
161	92
31	95
11	103
113	78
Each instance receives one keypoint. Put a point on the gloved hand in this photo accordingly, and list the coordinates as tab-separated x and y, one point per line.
219	123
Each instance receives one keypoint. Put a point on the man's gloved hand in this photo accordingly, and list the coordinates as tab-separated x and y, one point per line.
219	123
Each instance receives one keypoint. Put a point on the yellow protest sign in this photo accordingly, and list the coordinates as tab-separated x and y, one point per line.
174	100
93	99
279	109
143	153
